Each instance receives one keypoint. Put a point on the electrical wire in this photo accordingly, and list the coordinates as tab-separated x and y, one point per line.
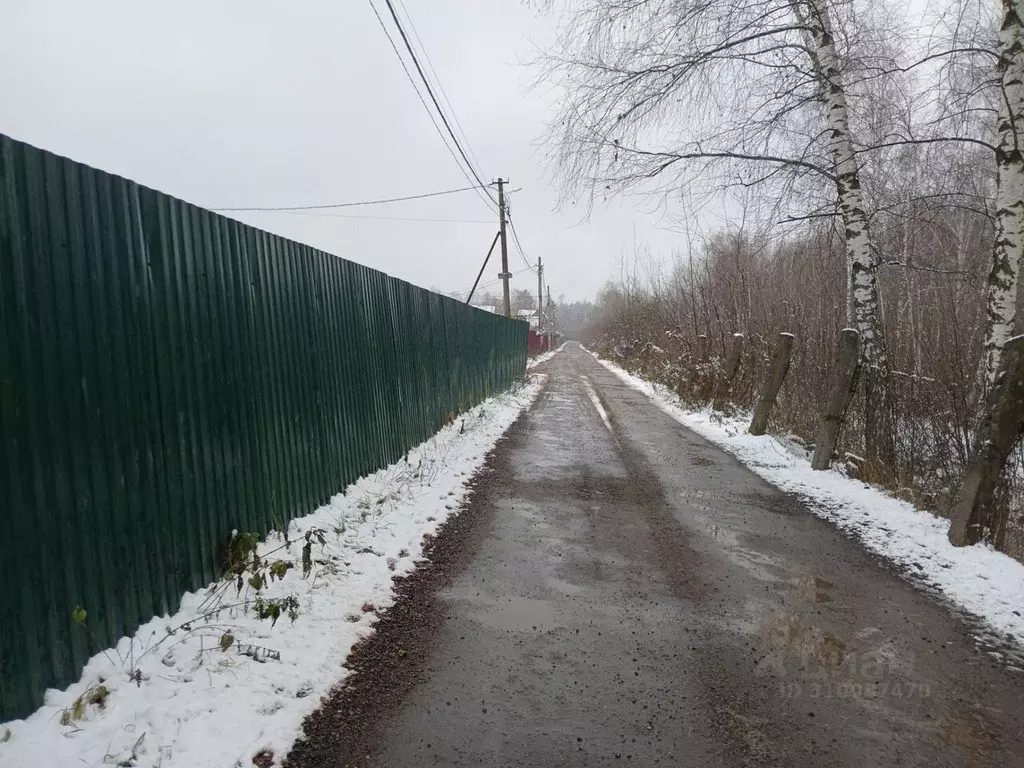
515	236
386	218
349	205
493	282
412	81
519	247
433	97
437	80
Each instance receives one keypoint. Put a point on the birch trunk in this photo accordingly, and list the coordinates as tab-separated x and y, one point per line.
1009	241
861	255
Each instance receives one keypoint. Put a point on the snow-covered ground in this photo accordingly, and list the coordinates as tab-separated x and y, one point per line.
215	686
978	579
543	358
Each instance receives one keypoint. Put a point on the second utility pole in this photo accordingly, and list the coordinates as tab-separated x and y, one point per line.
505	274
541	329
541	325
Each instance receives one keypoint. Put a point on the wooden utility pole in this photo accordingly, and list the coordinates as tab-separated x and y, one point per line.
549	315
540	289
540	300
505	274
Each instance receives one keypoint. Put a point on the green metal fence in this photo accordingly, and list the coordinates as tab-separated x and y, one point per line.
169	375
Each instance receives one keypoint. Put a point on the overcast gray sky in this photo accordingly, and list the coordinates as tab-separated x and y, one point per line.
260	103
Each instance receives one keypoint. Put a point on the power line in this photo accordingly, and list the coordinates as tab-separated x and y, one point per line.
440	85
349	205
430	92
495	282
486	198
519	246
485	285
387	218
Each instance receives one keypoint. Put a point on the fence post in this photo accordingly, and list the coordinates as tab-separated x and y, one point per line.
843	387
732	365
975	512
772	385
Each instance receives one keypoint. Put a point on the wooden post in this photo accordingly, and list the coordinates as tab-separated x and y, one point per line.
843	387
504	274
975	517
772	385
732	365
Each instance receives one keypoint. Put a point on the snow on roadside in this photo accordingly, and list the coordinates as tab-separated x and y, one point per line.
978	579
163	700
543	358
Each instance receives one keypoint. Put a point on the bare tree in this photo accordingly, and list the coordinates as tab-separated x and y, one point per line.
488	299
522	299
663	95
810	119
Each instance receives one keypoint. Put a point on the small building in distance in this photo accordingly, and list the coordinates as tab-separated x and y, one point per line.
532	316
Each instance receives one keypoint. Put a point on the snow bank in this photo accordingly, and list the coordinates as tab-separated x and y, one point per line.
978	579
172	697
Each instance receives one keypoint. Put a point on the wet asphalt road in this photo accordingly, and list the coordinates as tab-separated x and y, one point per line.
634	596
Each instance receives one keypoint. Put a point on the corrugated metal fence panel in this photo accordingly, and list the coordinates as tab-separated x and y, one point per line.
169	375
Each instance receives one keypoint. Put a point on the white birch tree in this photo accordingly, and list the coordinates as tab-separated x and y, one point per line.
1009	240
667	95
861	252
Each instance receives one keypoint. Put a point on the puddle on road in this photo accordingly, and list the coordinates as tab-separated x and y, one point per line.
565	587
788	638
518	614
704	516
792	634
817	589
762	566
766	567
972	734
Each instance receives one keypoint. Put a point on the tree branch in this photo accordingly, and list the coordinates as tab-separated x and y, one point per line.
728	155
